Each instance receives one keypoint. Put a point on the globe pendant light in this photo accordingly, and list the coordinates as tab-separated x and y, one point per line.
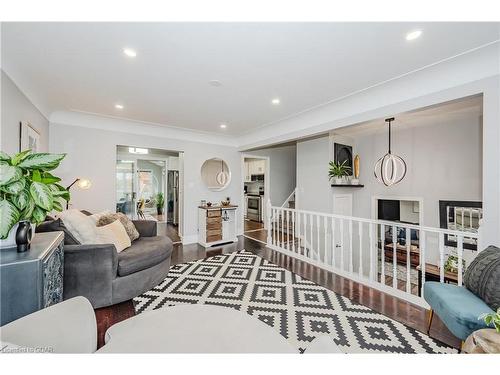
222	176
390	169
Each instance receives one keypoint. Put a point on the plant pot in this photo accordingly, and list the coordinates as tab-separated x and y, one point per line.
338	180
159	210
354	181
10	241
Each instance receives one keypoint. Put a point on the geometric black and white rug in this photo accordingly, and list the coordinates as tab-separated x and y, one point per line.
297	308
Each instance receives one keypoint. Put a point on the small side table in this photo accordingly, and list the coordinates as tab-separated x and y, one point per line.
485	340
32	280
432	273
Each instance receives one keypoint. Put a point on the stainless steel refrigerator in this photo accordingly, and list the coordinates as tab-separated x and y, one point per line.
173	197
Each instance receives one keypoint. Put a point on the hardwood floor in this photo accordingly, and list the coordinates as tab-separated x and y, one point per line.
253	225
395	308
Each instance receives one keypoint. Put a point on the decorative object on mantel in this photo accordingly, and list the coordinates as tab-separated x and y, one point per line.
82	183
338	171
24	235
28	191
355	179
390	169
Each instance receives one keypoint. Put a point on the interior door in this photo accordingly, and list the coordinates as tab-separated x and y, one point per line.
342	205
126	188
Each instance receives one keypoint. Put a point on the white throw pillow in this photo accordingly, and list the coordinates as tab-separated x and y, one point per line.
114	233
80	225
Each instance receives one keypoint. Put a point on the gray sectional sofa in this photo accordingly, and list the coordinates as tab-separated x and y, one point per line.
106	277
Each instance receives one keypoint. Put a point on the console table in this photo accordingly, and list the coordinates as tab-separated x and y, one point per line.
32	280
216	225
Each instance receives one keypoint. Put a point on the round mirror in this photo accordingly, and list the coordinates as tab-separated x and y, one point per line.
215	174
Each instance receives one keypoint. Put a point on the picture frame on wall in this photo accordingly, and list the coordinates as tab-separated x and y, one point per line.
343	153
29	137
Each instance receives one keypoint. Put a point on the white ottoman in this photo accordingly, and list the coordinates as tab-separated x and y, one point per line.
194	329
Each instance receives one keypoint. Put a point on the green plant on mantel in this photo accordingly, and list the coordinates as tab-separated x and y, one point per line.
492	318
27	190
338	170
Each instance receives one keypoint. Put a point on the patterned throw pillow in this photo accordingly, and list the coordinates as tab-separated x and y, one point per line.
482	277
126	222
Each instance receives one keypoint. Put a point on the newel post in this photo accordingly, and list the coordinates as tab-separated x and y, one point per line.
268	219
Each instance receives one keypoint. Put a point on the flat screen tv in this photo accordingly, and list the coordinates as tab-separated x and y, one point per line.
388	209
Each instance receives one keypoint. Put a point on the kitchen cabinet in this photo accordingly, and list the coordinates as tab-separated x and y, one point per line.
257	167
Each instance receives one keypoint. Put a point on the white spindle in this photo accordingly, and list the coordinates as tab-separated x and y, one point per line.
333	243
311	247
463	216
275	226
342	244
293	230
350	247
282	228
360	233
372	249
441	257
318	250
422	245
408	260
394	257
326	239
460	248
287	230
382	253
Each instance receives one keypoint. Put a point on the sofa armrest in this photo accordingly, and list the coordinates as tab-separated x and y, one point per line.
146	228
89	271
67	327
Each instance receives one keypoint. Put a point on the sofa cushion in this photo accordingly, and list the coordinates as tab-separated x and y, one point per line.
80	225
458	307
114	233
126	222
482	277
145	252
57	225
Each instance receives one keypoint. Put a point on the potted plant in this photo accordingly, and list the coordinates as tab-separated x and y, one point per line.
28	191
160	203
338	171
492	319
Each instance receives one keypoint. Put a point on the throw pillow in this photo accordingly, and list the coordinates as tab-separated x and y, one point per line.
57	225
80	225
114	233
126	222
482	277
95	217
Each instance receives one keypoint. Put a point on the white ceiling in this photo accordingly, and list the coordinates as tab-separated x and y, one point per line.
470	107
81	67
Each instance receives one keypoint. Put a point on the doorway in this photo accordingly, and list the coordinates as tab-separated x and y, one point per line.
255	191
148	187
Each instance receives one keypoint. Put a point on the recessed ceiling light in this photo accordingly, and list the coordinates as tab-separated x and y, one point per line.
129	52
276	101
413	35
215	83
223	126
118	106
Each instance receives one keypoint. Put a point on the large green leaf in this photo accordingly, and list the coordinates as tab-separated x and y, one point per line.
16	159
47	178
28	210
21	200
9	174
42	195
4	156
38	215
62	194
14	187
9	216
58	206
43	161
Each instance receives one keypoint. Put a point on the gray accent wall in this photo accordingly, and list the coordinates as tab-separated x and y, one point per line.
16	107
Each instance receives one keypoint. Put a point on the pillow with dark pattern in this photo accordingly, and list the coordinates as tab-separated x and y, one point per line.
482	277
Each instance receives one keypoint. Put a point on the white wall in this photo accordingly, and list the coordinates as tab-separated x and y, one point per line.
444	163
315	193
282	171
92	154
16	107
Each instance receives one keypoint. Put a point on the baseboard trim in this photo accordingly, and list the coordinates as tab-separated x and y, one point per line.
186	240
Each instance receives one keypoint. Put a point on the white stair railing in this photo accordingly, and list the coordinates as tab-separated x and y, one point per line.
287	201
389	256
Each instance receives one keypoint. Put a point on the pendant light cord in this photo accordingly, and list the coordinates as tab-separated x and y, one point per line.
389	120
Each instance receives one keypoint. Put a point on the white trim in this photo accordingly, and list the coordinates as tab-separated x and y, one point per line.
420	200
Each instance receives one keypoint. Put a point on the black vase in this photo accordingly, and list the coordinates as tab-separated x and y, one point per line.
24	234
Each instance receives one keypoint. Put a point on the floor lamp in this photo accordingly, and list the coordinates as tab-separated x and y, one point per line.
81	183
